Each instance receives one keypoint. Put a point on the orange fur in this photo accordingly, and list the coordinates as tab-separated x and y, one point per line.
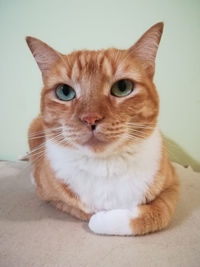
95	72
48	188
160	200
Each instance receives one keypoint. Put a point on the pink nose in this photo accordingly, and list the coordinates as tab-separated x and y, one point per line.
91	120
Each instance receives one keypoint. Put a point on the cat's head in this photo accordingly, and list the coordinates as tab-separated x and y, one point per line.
99	100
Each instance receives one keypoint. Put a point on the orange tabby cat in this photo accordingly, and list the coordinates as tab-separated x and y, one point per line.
96	150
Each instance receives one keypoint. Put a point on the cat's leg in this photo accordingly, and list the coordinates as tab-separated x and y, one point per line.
139	221
71	210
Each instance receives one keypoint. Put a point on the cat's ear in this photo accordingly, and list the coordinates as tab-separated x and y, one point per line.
145	49
44	55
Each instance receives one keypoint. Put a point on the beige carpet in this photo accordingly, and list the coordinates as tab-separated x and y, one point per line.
33	233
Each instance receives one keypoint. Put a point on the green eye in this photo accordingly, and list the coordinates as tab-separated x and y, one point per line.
122	88
65	92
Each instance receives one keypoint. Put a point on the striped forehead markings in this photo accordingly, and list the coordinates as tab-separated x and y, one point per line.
87	63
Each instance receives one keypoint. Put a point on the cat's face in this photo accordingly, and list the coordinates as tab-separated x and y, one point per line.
99	100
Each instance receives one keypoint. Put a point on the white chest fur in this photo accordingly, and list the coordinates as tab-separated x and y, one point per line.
117	182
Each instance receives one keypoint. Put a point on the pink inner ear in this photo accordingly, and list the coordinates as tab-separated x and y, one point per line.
44	55
147	46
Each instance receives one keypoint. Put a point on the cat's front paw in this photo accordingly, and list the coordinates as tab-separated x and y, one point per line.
113	222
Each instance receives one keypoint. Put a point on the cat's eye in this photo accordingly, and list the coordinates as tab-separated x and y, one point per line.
65	92
122	88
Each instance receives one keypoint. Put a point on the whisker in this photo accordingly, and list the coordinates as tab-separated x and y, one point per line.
38	153
64	141
49	129
45	131
139	123
41	145
145	125
41	136
134	140
140	127
37	158
139	130
39	150
140	134
133	137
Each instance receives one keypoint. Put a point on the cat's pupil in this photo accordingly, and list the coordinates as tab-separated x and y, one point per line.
122	85
65	90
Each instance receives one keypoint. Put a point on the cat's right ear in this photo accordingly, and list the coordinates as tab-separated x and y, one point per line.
44	55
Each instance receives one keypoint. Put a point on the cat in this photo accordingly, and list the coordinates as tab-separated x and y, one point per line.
96	150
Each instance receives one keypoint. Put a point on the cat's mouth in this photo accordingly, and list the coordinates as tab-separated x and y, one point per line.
95	142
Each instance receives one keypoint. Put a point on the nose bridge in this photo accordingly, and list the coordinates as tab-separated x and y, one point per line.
92	99
93	102
92	110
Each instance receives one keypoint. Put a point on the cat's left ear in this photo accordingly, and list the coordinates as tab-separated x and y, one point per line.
145	49
44	55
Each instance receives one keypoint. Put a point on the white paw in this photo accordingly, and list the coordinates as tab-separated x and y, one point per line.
113	222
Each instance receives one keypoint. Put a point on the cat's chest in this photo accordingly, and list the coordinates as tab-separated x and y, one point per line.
102	184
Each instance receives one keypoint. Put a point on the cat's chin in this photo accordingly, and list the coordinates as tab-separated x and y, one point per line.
95	144
99	144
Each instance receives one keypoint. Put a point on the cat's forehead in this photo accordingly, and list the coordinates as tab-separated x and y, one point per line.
91	62
89	67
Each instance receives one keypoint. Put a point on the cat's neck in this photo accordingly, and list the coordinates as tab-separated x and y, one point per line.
144	155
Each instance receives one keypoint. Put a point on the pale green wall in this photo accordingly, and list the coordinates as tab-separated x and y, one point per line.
71	24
